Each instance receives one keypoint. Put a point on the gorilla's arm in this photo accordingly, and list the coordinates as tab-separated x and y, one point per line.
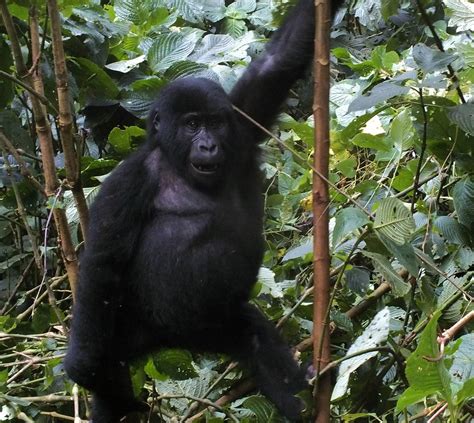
119	212
265	84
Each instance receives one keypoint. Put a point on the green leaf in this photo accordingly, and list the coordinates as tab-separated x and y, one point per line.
347	221
195	10
462	368
268	285
93	80
235	27
358	280
463	116
376	142
212	48
347	167
10	125
168	49
425	370
466	392
402	132
381	92
383	266
121	139
389	8
263	409
431	60
185	68
462	14
176	363
302	250
451	230
125	66
394	221
373	336
405	254
136	11
463	198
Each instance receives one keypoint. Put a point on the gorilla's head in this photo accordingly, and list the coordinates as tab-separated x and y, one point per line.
192	124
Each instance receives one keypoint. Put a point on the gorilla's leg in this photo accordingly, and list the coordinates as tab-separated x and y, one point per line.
114	397
258	344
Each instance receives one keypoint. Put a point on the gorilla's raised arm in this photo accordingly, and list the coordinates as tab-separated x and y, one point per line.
265	84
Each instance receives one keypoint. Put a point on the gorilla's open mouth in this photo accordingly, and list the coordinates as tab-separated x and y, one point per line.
205	168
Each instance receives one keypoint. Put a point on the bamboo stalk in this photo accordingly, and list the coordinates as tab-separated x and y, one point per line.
43	131
71	159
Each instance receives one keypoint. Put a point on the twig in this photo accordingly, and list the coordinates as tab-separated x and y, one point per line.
55	282
204	401
193	406
75	394
30	89
10	148
56	415
22	212
304	160
438	412
422	152
448	334
17	287
50	398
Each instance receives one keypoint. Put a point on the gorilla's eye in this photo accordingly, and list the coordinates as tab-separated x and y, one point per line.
192	123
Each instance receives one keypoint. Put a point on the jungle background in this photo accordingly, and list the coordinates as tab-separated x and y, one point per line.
77	79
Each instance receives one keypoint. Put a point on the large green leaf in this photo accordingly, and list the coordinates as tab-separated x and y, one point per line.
462	14
347	221
425	371
463	116
378	94
373	336
262	409
431	60
176	363
394	221
136	11
463	198
452	230
168	49
383	266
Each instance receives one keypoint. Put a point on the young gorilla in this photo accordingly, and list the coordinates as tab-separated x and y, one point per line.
175	240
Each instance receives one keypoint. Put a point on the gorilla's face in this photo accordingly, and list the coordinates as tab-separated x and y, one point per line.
192	124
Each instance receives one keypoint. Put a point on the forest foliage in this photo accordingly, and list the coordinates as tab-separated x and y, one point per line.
401	211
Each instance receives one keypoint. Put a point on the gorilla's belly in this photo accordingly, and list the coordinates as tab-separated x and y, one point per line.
198	265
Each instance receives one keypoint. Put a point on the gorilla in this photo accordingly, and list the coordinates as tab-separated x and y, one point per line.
175	241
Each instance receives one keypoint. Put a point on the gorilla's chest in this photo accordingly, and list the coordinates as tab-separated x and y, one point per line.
198	241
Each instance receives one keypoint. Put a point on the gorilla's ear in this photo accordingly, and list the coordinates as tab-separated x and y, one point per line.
156	122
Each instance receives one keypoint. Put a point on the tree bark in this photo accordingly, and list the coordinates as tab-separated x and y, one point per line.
321	346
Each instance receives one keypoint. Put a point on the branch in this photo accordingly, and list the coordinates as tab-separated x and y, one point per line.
8	146
30	89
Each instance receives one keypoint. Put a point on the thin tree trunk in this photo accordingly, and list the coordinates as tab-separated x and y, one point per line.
321	346
71	158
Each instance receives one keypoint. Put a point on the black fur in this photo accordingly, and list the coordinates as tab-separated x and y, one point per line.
175	240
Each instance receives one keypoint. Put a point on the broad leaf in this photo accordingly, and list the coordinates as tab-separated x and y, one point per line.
373	336
394	221
426	371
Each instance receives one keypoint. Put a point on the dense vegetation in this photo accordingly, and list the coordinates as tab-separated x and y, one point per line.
402	199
